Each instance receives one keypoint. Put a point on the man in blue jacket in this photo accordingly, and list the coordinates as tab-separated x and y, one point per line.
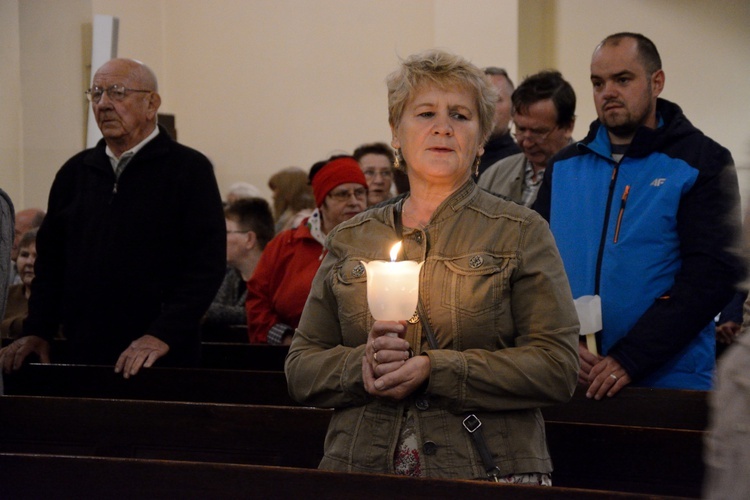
645	212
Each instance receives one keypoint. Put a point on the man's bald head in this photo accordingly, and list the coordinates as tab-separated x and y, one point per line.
126	103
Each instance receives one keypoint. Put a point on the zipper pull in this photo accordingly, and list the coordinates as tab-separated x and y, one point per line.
623	201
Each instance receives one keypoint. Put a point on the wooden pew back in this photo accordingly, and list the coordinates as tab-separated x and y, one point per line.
607	457
85	477
633	406
215	355
265	435
153	384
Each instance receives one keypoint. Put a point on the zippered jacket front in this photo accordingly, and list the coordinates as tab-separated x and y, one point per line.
655	235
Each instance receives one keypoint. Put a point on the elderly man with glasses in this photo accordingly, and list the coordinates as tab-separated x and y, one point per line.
543	114
132	250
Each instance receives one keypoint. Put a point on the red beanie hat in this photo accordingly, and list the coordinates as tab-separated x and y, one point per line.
334	173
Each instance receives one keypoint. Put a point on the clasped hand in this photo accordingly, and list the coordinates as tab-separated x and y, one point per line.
388	369
603	375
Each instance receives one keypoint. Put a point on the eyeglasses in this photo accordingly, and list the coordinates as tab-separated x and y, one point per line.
371	174
115	92
537	136
345	194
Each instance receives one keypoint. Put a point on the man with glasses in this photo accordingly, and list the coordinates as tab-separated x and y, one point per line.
278	289
250	227
132	249
645	212
376	161
543	112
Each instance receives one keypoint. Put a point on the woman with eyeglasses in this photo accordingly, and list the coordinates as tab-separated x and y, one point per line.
456	391
278	289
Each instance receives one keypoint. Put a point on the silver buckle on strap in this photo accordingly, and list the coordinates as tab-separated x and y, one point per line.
472	423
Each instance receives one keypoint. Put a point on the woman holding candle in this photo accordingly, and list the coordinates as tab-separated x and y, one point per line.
497	334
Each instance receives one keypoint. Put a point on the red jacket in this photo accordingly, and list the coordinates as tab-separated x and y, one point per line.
279	287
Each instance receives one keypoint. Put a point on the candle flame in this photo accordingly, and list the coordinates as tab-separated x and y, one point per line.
394	251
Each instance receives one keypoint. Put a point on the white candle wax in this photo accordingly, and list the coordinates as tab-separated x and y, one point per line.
392	288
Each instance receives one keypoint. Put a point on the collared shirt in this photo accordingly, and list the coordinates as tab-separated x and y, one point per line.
118	164
531	186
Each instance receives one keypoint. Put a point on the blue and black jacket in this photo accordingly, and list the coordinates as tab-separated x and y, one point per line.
655	236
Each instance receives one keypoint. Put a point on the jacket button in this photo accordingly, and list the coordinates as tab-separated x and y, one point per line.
418	237
429	448
422	403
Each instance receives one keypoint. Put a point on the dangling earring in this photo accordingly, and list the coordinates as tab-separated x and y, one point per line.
476	166
397	163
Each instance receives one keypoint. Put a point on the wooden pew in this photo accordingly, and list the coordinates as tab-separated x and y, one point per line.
233	356
591	456
262	435
225	333
36	476
636	406
153	384
216	355
633	406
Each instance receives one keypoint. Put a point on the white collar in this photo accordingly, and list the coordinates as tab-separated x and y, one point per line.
132	151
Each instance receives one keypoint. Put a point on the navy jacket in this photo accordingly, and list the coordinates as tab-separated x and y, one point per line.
659	256
148	259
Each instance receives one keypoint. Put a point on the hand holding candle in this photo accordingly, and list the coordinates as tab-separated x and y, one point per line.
392	287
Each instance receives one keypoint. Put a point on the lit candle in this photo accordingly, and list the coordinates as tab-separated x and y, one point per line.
392	287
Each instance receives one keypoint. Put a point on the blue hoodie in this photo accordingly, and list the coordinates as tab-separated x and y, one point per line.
653	236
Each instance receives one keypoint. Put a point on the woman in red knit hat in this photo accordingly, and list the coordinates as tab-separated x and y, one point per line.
278	289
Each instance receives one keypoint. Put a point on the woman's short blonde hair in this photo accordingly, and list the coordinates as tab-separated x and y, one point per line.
448	72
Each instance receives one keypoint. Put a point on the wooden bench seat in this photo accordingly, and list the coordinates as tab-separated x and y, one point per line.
215	355
634	406
61	477
233	356
153	384
264	435
590	456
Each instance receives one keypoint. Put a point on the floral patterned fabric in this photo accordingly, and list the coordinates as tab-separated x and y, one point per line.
406	459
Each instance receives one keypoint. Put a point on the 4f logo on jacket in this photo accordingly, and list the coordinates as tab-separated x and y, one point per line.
658	181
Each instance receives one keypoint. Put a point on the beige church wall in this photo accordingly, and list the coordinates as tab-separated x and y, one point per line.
45	101
258	85
483	31
141	33
10	101
705	51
